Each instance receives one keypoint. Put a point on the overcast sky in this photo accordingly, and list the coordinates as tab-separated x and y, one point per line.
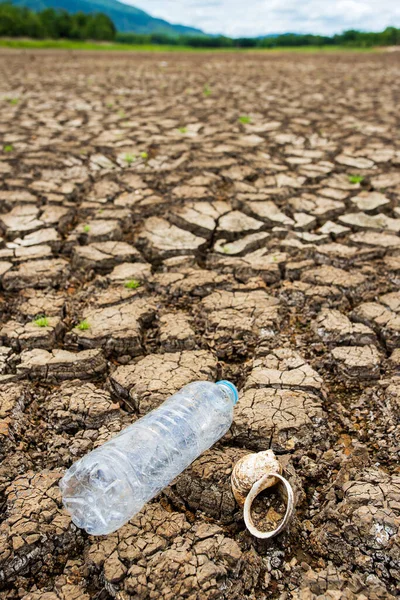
258	17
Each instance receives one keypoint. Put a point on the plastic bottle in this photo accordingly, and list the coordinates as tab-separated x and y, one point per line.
108	486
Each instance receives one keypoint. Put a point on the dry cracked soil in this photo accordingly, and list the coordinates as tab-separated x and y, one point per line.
152	236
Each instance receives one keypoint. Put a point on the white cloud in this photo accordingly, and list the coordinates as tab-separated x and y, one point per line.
258	17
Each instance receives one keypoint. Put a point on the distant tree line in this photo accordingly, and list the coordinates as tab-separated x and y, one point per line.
389	37
18	21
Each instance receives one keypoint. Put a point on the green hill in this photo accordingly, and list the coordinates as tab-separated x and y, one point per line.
126	18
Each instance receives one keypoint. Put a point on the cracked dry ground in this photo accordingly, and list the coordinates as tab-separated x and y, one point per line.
267	253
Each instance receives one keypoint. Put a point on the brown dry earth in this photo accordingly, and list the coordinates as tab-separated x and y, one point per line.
259	260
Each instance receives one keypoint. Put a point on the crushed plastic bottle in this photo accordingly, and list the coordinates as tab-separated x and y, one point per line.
108	486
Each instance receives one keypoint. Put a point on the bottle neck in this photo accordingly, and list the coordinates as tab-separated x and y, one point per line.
230	389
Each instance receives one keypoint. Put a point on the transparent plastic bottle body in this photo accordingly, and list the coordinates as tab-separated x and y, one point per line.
108	486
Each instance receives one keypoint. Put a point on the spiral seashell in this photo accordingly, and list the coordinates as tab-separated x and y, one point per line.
250	469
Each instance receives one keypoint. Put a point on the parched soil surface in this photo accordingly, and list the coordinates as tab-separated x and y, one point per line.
151	237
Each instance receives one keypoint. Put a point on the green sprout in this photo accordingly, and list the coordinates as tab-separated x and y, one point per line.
245	120
83	325
182	129
8	148
356	178
206	91
226	249
13	101
144	155
132	284
86	228
109	104
41	321
129	158
121	113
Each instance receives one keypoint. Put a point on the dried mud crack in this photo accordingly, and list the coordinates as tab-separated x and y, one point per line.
148	238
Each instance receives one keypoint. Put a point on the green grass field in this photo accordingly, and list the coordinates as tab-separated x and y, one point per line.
72	45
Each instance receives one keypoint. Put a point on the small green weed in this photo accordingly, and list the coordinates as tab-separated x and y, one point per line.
13	101
245	120
132	284
129	158
8	148
83	325
41	321
86	228
144	155
356	178
121	113
206	91
182	129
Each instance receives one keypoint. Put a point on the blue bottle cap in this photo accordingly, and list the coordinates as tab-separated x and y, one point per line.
233	391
